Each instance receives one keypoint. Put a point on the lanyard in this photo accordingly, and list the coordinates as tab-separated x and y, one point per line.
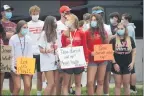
72	37
22	49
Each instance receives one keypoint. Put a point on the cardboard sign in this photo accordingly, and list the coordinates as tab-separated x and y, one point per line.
6	58
103	52
71	57
25	65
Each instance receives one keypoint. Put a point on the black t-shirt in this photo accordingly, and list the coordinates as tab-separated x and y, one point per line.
122	55
113	29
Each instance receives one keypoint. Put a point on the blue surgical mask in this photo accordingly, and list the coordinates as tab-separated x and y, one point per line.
24	31
121	32
93	24
8	15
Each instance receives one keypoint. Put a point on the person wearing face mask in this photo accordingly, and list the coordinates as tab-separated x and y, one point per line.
100	10
64	12
96	35
86	18
114	20
21	47
9	29
72	37
48	45
127	21
124	58
35	28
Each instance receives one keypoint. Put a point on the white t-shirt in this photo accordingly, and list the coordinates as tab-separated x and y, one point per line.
60	28
18	50
35	29
47	61
108	29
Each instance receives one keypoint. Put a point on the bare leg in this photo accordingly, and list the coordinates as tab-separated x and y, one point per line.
66	83
1	82
91	74
27	80
118	82
100	80
126	84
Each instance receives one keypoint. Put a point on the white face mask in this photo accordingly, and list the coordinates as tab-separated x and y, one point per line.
35	18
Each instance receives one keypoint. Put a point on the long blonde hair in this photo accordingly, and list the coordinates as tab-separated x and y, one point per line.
126	38
75	21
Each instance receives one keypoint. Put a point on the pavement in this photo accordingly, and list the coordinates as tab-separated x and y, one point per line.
34	80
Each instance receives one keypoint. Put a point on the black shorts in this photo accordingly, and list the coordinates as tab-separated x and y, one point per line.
123	70
109	66
37	64
133	70
7	75
73	70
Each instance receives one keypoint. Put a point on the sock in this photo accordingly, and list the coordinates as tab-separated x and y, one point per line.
71	90
38	92
133	87
44	84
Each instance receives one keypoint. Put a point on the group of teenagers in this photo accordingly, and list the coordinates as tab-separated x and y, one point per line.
41	39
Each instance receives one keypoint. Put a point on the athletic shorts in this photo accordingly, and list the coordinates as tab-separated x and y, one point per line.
37	64
109	66
73	70
123	70
7	75
97	64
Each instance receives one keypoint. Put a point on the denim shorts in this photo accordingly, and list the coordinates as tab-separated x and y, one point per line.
97	64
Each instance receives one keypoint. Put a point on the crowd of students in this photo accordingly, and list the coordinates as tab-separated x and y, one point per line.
40	40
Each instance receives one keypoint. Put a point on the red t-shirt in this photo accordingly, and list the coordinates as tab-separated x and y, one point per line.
97	40
79	39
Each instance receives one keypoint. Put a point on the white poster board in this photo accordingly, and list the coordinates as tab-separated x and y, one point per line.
6	58
71	57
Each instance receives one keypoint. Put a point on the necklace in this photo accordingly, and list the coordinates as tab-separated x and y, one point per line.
72	37
22	47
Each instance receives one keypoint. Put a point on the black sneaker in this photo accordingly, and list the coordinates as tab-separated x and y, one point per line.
133	89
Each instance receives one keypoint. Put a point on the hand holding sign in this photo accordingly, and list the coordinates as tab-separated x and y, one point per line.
25	65
103	52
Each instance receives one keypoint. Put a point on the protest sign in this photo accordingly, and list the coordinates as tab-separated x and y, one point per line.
25	65
6	58
71	57
103	52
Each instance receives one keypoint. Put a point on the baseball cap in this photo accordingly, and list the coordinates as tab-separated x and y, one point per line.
6	7
64	8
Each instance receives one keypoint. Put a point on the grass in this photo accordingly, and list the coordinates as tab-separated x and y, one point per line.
33	92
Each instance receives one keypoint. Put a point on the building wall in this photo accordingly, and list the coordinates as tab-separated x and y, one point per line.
48	7
135	12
